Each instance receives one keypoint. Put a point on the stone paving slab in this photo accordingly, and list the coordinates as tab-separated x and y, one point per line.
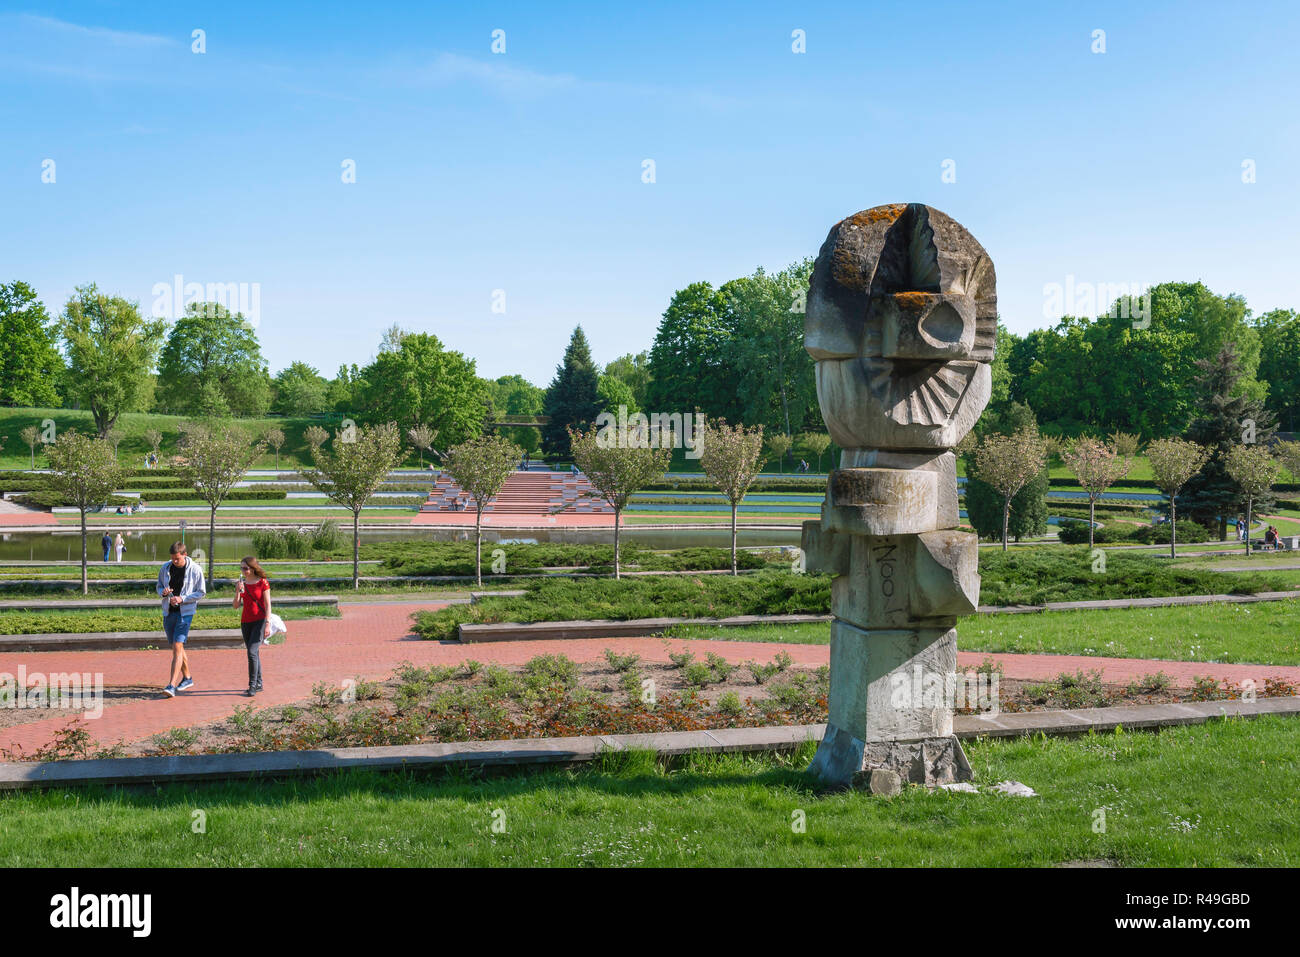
371	639
575	750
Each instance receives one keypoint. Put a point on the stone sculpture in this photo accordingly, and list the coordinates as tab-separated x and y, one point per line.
901	322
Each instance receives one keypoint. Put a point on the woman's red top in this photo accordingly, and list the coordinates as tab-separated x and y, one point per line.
255	600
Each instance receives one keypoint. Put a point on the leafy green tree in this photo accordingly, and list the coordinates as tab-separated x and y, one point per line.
275	439
612	392
693	362
731	457
30	365
774	369
1008	463
344	391
1173	462
1027	517
216	457
481	466
212	365
31	435
815	443
1254	471
422	437
778	444
1097	466
1288	453
618	469
315	437
415	381
1279	364
514	395
984	504
111	352
1225	418
634	370
572	398
85	470
352	472
299	390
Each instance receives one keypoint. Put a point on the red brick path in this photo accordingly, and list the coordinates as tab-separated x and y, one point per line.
369	640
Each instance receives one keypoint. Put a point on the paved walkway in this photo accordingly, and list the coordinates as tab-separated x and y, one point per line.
370	639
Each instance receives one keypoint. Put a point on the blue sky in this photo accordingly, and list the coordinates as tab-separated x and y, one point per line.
522	171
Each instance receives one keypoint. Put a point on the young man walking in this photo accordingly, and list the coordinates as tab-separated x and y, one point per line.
181	585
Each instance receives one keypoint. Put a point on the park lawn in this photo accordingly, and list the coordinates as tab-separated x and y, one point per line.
1264	633
111	571
58	622
1180	797
134	446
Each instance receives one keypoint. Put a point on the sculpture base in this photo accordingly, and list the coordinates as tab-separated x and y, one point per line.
842	761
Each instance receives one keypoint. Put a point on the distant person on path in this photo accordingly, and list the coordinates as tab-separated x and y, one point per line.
107	542
120	544
254	593
181	585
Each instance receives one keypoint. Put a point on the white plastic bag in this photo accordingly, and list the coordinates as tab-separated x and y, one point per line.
277	626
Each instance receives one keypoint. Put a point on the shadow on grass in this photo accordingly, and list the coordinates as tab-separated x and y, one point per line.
629	773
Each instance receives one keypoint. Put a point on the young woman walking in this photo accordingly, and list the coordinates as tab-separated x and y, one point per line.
253	592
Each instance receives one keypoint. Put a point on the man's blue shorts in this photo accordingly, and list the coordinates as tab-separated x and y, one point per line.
177	626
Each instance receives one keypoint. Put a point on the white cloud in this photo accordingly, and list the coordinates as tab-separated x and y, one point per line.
114	37
500	78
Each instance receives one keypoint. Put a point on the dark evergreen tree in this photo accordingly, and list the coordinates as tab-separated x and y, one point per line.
571	398
1222	420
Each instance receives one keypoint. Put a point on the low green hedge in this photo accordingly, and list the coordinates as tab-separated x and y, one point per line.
698	483
1076	533
54	499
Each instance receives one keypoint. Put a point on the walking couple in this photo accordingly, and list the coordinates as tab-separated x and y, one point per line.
181	585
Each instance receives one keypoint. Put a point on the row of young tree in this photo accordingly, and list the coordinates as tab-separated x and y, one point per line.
218	454
1226	462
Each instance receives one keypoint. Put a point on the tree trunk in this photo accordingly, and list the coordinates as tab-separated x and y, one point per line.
617	514
478	545
212	543
733	538
85	588
356	549
1249	502
1173	527
1092	521
1006	520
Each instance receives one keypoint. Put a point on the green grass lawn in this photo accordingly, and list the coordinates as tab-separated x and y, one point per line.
136	619
1267	633
1221	794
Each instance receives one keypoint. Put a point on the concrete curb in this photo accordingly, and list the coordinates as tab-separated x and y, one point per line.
115	604
119	640
577	750
632	628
